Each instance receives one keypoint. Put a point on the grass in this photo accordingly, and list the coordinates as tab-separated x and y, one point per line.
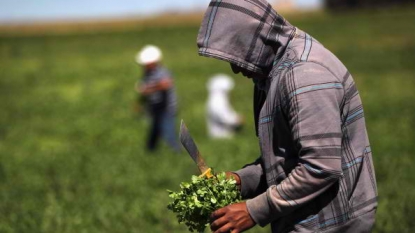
71	148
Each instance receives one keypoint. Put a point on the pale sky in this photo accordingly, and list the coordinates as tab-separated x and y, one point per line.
34	10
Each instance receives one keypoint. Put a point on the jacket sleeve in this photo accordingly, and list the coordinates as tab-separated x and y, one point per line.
252	179
311	98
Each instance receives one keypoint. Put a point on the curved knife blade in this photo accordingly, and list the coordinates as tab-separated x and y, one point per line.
189	144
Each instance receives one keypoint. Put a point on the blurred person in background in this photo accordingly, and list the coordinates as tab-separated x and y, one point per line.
222	120
157	92
315	172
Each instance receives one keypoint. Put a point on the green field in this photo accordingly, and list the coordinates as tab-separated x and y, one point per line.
71	147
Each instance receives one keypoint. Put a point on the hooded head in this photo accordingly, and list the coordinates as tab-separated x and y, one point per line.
247	33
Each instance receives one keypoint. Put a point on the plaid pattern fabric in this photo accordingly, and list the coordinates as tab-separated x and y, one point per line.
221	35
167	100
315	172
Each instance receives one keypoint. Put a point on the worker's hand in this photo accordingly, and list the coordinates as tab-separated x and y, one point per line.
144	90
162	85
233	218
236	177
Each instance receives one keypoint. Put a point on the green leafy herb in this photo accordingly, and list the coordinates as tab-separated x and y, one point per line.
199	198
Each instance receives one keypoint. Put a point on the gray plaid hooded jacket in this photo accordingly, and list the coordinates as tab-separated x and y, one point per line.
315	172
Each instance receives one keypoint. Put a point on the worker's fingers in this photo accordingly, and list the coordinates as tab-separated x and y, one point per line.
217	214
218	223
234	176
224	229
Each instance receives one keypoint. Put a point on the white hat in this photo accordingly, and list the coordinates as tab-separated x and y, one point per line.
148	54
220	82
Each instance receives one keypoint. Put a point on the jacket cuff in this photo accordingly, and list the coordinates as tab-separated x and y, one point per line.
250	178
259	209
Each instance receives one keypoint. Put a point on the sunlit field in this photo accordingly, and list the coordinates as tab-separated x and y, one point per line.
72	155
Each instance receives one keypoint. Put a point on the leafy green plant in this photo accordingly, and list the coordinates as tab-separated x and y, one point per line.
196	200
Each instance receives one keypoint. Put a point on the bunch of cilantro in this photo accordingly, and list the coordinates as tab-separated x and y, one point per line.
196	200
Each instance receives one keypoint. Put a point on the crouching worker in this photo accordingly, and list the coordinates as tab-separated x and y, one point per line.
315	171
222	120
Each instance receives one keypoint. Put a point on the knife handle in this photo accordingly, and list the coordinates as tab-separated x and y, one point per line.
207	173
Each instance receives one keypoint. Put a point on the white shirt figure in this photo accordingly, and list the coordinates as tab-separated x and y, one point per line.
222	120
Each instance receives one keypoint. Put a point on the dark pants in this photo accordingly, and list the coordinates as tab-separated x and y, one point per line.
162	125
